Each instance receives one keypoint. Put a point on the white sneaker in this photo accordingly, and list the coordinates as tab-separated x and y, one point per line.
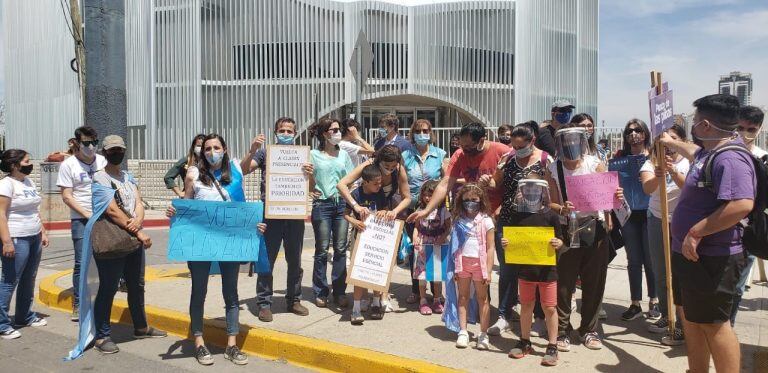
13	334
37	322
499	327
482	342
463	340
387	304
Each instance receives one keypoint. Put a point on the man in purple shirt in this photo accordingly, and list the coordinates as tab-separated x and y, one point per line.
707	250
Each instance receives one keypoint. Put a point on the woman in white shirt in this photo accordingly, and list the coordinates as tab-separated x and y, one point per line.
23	238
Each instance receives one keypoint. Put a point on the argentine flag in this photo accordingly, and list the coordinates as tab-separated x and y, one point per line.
437	258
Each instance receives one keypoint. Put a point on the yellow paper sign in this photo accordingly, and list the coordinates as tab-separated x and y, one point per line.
529	245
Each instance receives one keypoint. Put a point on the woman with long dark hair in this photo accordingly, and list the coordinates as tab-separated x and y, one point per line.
635	150
586	121
179	169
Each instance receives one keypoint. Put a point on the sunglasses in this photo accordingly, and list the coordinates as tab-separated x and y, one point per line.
334	130
89	143
633	130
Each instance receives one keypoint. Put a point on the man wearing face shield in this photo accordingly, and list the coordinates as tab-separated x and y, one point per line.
75	182
561	114
707	250
588	261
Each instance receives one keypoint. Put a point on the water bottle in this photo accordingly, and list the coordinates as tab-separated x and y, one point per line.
573	230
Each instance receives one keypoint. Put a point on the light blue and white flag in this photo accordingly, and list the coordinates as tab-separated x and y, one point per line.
437	258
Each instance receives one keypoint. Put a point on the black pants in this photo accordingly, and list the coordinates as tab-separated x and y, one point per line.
590	263
289	233
131	268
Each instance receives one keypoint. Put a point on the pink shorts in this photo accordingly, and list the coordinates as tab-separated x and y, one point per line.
470	268
547	292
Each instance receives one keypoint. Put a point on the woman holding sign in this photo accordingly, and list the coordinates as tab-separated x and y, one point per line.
628	161
586	255
215	178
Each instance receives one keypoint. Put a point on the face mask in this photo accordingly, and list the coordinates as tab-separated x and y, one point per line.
285	139
600	147
198	149
506	140
421	139
215	158
385	171
471	206
335	138
115	158
563	118
700	140
524	152
88	151
383	132
26	170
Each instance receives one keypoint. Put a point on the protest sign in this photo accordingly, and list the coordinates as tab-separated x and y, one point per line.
436	266
373	256
529	245
287	187
216	231
661	111
593	192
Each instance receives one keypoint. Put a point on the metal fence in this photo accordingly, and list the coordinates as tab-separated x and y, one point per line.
442	135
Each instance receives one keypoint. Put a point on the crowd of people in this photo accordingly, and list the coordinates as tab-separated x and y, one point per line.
463	198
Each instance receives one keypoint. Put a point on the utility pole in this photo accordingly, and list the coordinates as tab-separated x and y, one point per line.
77	29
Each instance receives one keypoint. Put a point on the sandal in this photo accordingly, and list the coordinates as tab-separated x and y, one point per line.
425	310
437	307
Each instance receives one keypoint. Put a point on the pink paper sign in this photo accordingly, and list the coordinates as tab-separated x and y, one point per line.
593	192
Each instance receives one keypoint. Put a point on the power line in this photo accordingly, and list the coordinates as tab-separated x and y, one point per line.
67	20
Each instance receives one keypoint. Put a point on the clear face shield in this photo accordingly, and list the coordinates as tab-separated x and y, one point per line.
572	143
532	196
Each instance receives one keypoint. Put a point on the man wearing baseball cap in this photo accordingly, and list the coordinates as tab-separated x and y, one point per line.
561	114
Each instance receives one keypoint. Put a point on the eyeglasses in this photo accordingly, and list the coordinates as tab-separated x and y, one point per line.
633	130
334	130
89	143
422	131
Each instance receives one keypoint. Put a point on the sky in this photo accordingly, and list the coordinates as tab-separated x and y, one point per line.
691	42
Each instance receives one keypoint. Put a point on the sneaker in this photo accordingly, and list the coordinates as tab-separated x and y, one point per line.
107	346
437	307
377	313
499	327
297	309
602	315
425	310
550	357
676	339
539	328
660	326
150	333
592	341
321	302
523	348
38	322
10	334
265	314
357	318
634	311
75	315
563	343
203	356
463	340
514	313
233	354
482	342
653	312
341	301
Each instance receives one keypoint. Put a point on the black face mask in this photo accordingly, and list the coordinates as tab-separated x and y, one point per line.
115	158
26	170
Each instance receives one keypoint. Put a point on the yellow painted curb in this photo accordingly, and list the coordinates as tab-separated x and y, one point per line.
303	351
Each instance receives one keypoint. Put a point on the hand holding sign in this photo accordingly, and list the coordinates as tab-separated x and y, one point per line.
593	192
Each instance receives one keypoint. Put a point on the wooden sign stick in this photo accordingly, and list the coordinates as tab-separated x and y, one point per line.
656	82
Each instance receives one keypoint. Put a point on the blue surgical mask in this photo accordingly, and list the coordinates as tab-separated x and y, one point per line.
421	139
285	139
383	132
215	158
563	118
524	152
471	206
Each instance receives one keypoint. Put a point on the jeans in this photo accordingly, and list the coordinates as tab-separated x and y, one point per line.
291	234
749	261
658	261
20	271
329	225
78	229
131	268
200	272
508	292
638	255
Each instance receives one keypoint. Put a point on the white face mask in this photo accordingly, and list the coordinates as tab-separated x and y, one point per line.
89	150
335	138
198	149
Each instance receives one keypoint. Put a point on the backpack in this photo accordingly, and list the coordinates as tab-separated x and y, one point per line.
755	238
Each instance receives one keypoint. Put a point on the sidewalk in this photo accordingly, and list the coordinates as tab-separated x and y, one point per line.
406	333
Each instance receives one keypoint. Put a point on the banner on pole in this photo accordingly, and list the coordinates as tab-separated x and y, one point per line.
662	113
